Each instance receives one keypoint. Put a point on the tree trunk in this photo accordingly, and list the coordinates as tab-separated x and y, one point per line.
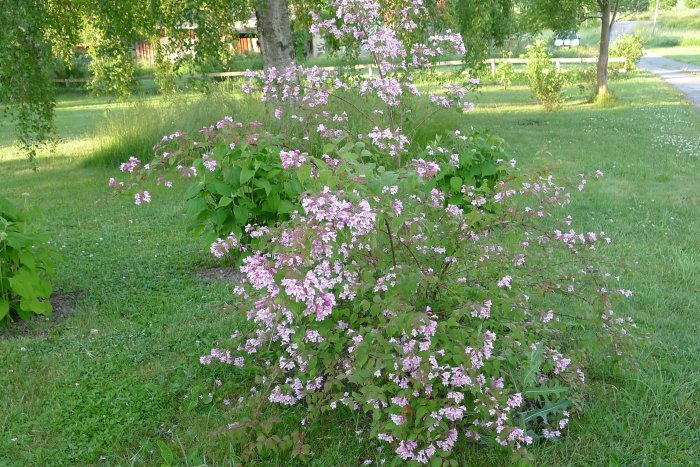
605	26
274	33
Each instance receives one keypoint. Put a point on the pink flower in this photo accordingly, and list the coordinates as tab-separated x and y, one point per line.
505	282
130	165
209	163
142	197
426	169
398	419
293	158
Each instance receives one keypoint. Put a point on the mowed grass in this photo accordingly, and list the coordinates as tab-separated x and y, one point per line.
682	54
106	380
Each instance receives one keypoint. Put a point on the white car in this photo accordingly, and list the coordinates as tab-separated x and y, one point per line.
567	39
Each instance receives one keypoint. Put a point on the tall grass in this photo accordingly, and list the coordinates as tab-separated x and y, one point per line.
133	129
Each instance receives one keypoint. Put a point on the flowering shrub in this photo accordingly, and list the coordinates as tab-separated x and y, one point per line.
25	266
546	82
433	320
430	289
413	290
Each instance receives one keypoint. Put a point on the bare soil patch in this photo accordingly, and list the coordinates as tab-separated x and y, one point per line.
226	274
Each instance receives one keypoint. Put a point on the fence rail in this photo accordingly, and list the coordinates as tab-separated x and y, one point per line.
370	68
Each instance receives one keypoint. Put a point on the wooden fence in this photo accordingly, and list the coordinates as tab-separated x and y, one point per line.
370	68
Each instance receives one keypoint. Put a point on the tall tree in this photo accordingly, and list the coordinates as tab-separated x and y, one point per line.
275	33
568	14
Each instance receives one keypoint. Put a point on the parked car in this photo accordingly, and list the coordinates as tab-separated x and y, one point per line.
567	39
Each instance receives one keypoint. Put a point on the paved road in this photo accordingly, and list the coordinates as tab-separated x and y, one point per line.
682	76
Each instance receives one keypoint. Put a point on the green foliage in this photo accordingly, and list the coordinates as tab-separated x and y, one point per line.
478	166
249	186
483	23
301	39
505	73
692	4
546	82
25	266
74	67
630	46
664	41
667	4
240	177
31	34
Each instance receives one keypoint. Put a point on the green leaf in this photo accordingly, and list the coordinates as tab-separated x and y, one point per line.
34	305
544	391
225	201
4	308
25	283
420	413
528	374
27	259
456	183
262	183
246	174
241	213
544	412
166	453
285	207
304	173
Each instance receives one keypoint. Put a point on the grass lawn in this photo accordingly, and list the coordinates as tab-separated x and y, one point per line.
682	54
116	370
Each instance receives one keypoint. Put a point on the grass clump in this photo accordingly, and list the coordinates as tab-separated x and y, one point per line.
133	129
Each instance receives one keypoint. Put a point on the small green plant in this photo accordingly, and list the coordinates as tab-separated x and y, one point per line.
546	82
25	266
630	46
505	72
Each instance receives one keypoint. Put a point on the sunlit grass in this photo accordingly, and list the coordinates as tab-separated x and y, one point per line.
682	54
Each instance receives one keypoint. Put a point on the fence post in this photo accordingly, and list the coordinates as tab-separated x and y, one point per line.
558	64
369	70
493	66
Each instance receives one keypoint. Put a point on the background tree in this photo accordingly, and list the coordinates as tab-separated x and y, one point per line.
275	33
32	32
483	23
566	15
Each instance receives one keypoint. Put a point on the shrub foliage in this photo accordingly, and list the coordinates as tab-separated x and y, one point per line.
546	82
630	46
25	266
